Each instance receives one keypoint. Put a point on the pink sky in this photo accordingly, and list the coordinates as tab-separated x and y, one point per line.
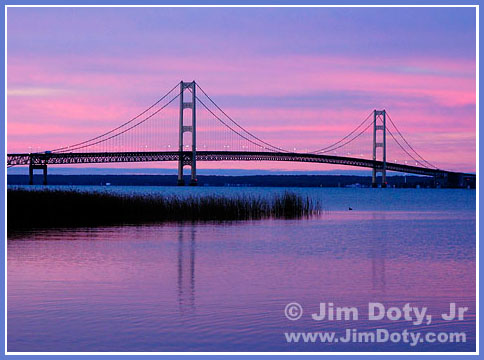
73	74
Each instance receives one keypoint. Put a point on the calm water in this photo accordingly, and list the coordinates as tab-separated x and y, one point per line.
224	286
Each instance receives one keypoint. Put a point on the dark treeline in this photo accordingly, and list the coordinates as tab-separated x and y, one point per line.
59	208
212	180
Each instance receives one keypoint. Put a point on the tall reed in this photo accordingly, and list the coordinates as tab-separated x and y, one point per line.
59	208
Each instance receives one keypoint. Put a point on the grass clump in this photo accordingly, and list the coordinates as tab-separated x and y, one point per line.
69	208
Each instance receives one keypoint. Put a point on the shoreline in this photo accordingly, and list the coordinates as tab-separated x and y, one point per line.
398	181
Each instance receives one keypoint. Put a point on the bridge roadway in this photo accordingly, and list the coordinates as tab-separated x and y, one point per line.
38	160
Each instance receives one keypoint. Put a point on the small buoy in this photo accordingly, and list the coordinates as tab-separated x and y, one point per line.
350	208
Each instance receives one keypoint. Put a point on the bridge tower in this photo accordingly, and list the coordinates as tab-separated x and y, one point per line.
380	116
185	158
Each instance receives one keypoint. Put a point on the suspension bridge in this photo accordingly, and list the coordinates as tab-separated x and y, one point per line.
159	133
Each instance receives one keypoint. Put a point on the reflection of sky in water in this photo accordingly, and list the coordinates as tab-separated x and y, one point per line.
206	287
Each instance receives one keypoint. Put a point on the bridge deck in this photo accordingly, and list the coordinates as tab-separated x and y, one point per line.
111	157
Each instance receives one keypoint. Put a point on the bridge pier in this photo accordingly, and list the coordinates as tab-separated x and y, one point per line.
187	128
180	181
32	167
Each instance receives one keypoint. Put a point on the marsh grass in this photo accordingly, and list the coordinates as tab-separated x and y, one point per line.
69	208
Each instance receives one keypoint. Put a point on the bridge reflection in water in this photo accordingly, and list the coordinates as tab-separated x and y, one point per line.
186	269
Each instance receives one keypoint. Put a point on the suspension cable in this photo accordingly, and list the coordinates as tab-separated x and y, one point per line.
236	124
125	130
406	142
349	141
418	162
342	139
229	127
117	128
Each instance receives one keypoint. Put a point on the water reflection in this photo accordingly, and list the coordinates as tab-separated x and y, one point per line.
378	254
186	269
132	288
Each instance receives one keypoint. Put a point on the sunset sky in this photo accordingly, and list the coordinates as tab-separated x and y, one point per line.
296	77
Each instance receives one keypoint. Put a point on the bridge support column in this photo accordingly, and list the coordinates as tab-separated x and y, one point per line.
31	175
42	167
191	86
45	174
379	116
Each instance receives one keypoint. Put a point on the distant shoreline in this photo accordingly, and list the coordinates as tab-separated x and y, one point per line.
399	181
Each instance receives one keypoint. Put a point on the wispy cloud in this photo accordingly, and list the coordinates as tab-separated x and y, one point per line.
36	91
303	77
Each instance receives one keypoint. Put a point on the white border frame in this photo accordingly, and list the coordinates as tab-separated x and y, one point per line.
258	353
